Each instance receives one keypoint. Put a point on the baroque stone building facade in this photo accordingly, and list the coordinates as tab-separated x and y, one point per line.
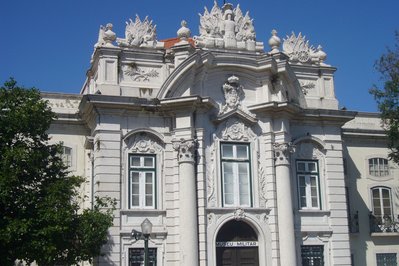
235	152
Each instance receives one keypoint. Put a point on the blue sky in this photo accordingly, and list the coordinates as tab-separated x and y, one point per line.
47	43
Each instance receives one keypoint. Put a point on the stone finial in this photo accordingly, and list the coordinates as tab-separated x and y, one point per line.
106	36
184	33
109	35
274	42
321	54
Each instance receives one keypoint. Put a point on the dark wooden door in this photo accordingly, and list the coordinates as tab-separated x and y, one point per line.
237	256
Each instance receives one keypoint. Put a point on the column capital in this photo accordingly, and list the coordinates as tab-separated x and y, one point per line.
185	149
282	152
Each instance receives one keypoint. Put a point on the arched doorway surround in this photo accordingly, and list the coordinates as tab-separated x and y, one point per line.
237	244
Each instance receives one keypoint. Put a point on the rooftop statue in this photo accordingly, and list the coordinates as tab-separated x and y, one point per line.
139	34
299	50
227	28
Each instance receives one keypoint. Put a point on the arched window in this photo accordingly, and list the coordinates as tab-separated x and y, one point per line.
381	200
378	167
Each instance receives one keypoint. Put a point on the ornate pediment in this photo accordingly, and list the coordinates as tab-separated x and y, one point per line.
299	50
227	28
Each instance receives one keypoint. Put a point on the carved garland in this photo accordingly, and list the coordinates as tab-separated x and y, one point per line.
139	74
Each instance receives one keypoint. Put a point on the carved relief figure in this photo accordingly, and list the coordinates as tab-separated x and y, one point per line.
233	94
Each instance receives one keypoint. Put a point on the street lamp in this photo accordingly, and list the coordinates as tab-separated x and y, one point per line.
146	228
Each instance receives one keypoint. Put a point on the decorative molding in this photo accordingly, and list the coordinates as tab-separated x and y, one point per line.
239	214
143	143
210	175
234	129
139	74
139	34
299	50
211	219
262	186
67	103
282	152
185	149
306	86
227	28
308	150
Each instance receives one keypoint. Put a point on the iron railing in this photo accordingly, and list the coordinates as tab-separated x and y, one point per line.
386	224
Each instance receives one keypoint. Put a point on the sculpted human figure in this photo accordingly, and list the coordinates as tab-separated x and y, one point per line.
229	29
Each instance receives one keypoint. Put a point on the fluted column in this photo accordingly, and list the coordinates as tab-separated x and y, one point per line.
284	204
188	202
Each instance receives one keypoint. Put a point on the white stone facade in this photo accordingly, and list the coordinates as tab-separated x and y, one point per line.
197	138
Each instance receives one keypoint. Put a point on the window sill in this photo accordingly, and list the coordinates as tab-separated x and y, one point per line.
143	212
385	234
311	212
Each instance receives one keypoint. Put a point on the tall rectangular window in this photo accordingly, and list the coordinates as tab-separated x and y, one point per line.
236	176
386	259
308	184
382	206
67	156
142	181
312	255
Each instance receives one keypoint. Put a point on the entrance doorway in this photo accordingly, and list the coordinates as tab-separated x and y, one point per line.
237	245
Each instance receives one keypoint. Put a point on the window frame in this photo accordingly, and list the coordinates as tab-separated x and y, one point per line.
151	256
386	253
381	201
142	170
308	175
322	249
67	159
236	186
377	167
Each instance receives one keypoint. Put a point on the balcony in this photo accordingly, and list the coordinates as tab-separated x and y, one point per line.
383	226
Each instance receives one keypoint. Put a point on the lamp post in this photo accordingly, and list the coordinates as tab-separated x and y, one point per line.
146	228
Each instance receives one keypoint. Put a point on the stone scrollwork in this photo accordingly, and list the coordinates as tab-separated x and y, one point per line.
139	74
139	33
282	152
210	176
239	214
262	186
308	150
185	149
227	28
306	86
237	130
143	143
299	50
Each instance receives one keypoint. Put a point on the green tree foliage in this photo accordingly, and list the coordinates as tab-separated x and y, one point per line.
40	219
388	97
